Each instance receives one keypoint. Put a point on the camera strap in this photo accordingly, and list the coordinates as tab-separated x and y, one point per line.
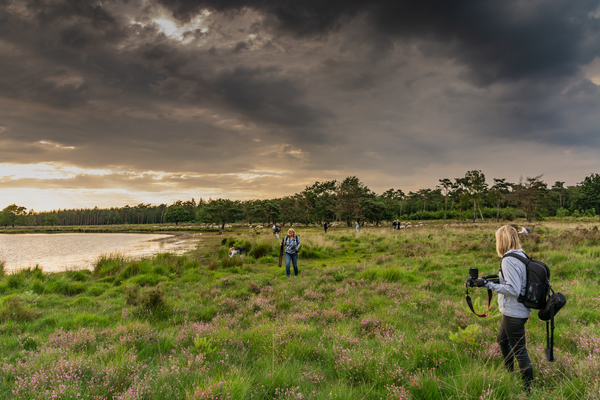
470	303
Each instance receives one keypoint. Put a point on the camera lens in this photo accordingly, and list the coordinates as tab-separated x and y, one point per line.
474	272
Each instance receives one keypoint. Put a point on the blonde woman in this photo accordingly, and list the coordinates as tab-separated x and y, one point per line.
291	243
513	280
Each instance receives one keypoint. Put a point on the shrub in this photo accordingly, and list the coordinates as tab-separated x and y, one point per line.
229	305
131	295
204	344
253	287
14	310
153	299
467	335
373	328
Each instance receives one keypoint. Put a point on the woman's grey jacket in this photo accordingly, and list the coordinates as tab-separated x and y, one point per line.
513	280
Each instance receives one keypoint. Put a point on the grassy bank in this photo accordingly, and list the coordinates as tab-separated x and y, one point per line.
373	315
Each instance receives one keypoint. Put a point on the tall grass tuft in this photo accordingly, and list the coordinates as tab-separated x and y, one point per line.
109	264
65	286
263	248
230	262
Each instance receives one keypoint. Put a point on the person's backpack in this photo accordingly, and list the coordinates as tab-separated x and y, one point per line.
538	282
540	296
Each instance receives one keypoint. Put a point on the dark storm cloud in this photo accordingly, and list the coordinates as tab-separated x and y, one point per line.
277	99
79	38
302	18
496	39
49	11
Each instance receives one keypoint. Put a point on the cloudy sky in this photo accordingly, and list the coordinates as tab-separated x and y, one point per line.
113	102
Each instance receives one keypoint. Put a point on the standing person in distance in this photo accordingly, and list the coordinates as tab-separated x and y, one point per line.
357	226
513	281
325	226
276	230
291	243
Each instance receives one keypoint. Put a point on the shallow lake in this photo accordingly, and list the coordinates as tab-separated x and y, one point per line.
71	251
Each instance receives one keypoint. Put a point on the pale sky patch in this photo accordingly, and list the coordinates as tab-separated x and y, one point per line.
46	171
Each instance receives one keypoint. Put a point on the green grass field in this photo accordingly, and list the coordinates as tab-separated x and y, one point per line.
373	315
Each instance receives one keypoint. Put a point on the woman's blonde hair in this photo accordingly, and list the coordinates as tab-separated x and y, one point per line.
292	230
507	239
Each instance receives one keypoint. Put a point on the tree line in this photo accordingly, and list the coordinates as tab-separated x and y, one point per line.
466	198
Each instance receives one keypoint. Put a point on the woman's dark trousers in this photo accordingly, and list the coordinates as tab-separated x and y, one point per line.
511	338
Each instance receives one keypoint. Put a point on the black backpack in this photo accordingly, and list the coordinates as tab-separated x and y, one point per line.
538	282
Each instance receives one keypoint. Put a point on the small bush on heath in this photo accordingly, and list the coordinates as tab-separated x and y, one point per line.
153	298
13	309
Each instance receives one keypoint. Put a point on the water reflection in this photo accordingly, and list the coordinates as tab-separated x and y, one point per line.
62	251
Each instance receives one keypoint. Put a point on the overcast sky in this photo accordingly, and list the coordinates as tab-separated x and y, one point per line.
107	103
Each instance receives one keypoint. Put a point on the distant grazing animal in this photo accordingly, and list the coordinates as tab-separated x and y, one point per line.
237	251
